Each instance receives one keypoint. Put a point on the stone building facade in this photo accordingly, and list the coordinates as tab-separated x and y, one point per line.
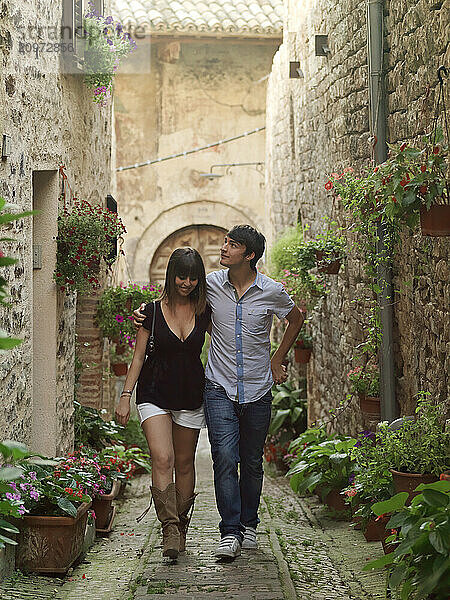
48	114
319	124
199	76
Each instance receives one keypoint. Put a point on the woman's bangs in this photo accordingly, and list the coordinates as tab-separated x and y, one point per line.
187	267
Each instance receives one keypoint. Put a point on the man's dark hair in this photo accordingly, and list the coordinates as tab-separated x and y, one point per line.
253	240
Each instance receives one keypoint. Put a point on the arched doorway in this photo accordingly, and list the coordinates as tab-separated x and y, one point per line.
207	239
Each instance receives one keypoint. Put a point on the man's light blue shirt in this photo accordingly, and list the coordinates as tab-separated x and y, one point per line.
239	355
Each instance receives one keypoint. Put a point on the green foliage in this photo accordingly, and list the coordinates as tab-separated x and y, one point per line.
288	410
365	380
420	564
327	463
90	429
85	235
115	306
421	445
284	252
133	435
11	452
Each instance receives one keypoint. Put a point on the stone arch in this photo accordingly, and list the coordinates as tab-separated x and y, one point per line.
176	218
207	239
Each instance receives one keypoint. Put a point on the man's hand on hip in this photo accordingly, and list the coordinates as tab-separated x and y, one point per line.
139	316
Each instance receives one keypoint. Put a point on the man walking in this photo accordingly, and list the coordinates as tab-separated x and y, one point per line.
239	378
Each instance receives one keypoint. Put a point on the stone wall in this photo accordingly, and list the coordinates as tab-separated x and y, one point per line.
194	93
51	121
319	124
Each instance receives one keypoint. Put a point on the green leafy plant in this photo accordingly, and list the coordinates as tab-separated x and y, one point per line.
106	44
287	421
85	234
327	464
128	458
372	480
365	380
10	506
419	565
133	435
421	445
284	252
90	429
115	306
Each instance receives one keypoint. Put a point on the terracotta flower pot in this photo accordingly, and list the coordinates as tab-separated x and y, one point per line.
388	548
335	501
302	355
119	369
330	265
120	349
375	531
370	405
436	221
102	506
50	544
407	482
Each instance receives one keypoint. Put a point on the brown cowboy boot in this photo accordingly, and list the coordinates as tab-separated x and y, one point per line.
166	510
184	506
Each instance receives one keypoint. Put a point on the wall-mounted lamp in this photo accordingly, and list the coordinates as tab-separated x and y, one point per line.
322	48
294	70
259	166
6	146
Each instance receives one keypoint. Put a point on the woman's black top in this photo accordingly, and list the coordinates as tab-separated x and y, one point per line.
172	377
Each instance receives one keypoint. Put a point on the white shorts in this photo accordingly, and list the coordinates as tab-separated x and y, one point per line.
194	419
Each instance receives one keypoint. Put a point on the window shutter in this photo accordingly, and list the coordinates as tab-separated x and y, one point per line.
72	28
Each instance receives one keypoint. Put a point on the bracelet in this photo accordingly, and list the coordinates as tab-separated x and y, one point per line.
127	392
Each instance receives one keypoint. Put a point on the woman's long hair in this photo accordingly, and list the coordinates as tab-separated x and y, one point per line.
186	262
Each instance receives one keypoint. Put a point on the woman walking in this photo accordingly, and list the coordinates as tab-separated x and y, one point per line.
169	394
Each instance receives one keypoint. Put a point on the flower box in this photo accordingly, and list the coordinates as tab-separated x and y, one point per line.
370	405
335	501
436	220
51	544
375	530
302	355
102	506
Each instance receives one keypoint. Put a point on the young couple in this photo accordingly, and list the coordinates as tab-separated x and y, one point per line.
174	398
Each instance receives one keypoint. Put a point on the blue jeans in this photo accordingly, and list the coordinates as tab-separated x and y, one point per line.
237	433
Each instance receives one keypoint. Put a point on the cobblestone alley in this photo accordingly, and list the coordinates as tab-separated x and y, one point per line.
301	554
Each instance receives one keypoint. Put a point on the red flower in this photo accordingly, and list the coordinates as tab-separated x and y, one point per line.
404	182
376	169
328	185
403	146
436	150
423	168
68	490
394	199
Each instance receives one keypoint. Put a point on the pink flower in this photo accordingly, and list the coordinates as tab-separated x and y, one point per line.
119	319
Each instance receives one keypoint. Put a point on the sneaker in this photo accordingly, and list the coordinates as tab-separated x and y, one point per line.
250	542
228	548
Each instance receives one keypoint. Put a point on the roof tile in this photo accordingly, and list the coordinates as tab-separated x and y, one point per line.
256	18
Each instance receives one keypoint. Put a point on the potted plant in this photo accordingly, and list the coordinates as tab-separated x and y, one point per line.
303	347
328	249
418	565
115	306
419	451
365	382
287	421
85	233
105	45
372	482
120	361
56	503
327	464
411	184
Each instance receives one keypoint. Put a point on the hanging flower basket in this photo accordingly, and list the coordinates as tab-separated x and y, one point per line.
329	264
85	234
370	405
119	369
436	220
302	355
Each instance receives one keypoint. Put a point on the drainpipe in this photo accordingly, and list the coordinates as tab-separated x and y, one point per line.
377	100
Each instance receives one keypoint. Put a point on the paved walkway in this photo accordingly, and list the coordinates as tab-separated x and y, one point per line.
302	554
